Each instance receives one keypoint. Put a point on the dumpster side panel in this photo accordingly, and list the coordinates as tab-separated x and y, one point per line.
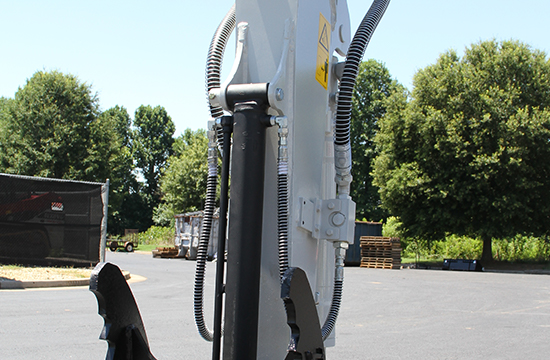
362	228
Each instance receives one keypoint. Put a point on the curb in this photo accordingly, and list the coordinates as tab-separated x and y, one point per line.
528	272
31	284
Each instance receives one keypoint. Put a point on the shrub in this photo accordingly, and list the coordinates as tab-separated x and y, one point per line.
522	248
458	247
391	228
157	235
415	248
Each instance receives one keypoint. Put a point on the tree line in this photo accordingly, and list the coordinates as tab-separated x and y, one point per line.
466	152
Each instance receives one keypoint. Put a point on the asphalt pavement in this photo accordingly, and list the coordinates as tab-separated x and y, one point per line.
386	314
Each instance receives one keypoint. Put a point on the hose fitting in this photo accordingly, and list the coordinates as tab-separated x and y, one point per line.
212	145
340	248
282	123
342	163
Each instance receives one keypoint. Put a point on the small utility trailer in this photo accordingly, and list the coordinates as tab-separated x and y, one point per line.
128	246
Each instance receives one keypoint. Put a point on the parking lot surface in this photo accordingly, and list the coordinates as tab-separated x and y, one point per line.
386	314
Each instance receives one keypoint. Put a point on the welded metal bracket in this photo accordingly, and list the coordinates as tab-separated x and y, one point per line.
306	341
123	330
278	86
239	72
332	219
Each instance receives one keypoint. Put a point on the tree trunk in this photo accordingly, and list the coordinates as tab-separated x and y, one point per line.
487	255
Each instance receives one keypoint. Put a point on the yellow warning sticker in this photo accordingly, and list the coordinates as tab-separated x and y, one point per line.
323	46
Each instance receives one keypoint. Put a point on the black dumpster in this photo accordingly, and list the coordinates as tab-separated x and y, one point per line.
48	221
462	265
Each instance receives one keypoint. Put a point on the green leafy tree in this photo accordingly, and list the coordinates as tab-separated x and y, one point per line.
5	112
127	207
4	105
153	140
373	86
122	123
183	183
52	129
469	153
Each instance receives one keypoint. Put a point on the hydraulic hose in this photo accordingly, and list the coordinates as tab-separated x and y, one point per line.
342	146
330	322
213	70
202	251
215	57
282	195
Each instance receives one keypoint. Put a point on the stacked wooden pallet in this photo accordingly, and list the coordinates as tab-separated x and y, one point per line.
165	252
379	252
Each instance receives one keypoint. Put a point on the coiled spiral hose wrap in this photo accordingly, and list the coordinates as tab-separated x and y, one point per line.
213	70
214	63
215	57
282	215
330	321
202	253
351	69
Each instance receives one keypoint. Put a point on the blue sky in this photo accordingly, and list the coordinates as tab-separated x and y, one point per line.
153	52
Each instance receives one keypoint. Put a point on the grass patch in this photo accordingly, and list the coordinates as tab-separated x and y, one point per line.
423	262
148	247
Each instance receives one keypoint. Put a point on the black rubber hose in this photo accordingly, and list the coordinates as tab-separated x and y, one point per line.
351	69
213	68
330	321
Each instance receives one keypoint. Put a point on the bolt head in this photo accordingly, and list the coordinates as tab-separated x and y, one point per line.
279	94
338	219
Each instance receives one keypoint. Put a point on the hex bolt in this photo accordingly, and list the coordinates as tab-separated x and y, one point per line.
279	94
